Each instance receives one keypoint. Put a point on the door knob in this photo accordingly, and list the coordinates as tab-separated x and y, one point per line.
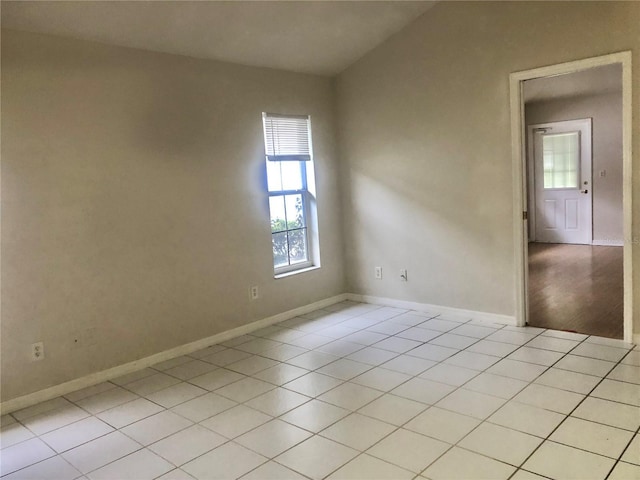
584	191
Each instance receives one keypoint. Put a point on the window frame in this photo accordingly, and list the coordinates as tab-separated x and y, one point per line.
307	195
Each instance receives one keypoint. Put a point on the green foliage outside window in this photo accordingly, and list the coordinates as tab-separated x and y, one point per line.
289	237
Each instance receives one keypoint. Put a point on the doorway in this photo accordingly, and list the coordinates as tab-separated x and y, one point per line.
558	238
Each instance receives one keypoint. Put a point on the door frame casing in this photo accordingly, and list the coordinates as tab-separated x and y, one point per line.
519	158
581	123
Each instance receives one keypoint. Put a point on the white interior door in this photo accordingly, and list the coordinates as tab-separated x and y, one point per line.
562	179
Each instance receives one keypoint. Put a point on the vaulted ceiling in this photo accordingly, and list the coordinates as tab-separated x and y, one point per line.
320	37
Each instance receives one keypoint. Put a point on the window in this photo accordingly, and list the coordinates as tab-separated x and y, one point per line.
561	157
291	190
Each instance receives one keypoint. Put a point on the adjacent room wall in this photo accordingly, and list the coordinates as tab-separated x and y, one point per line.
426	149
134	212
606	131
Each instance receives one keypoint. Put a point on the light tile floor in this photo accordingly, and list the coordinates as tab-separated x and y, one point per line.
353	391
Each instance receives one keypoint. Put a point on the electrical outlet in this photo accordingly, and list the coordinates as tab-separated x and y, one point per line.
37	351
403	274
254	294
378	273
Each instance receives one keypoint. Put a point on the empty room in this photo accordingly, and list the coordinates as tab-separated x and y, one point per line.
269	240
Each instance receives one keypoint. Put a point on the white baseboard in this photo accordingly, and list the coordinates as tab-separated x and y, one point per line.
425	307
608	243
104	375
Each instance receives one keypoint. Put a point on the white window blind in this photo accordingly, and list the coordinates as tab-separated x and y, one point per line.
286	138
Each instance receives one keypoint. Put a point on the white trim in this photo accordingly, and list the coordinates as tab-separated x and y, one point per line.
516	80
426	307
608	243
627	198
99	377
520	236
296	272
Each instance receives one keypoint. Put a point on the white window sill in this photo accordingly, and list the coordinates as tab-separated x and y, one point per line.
295	272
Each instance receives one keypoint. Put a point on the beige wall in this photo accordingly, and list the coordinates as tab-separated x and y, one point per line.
132	201
606	114
426	149
133	207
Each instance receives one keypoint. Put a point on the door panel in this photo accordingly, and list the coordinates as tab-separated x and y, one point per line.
549	216
571	206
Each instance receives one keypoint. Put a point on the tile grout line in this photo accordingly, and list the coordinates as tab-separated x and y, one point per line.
316	433
380	365
229	440
547	438
637	432
428	406
351	411
482	421
388	392
511	399
118	429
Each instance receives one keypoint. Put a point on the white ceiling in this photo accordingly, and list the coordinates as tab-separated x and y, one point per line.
321	37
594	81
